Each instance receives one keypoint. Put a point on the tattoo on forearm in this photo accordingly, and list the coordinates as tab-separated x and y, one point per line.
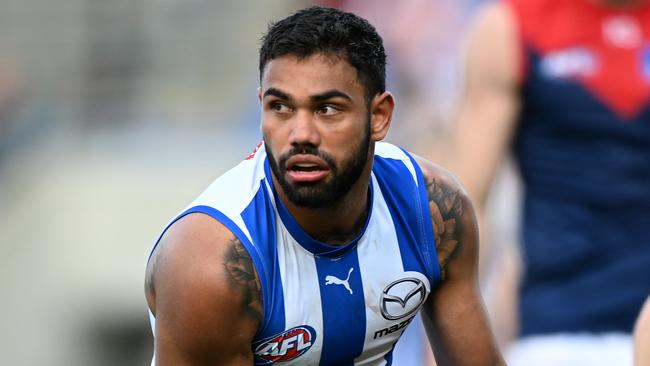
446	212
241	273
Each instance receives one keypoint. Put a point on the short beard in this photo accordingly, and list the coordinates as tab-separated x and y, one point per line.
322	194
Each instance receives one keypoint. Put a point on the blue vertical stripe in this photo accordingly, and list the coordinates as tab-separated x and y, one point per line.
342	310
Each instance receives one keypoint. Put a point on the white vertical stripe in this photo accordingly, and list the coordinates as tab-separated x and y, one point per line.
302	301
380	262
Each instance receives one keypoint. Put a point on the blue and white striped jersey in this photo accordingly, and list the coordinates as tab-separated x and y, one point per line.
325	304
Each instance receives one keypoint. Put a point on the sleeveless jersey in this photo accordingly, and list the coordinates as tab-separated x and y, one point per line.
583	149
324	304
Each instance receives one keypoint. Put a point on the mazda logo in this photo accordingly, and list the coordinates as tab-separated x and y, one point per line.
402	298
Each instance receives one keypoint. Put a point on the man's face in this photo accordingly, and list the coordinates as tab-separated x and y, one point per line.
316	127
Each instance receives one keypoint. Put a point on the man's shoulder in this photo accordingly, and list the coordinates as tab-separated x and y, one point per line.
445	192
201	287
189	247
188	242
434	172
452	213
216	226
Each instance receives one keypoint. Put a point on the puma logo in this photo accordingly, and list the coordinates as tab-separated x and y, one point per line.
333	280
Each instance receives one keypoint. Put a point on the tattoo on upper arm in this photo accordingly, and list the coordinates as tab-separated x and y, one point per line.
446	212
151	271
242	275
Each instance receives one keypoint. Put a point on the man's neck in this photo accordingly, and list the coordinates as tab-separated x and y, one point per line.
339	223
346	234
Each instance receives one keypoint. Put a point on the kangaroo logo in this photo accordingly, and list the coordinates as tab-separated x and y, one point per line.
333	280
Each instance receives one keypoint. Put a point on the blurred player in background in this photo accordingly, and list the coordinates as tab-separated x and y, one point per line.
322	245
565	85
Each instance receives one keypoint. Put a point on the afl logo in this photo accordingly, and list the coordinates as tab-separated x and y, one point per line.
402	298
286	346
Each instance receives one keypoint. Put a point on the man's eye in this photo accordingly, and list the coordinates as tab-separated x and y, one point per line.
280	107
328	110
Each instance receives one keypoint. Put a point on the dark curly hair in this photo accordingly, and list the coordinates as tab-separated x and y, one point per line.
331	32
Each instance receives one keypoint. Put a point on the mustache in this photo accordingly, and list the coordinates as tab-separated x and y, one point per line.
307	150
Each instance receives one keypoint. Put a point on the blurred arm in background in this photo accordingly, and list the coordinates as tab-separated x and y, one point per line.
486	119
479	141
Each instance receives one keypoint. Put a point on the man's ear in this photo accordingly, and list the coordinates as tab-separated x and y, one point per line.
259	97
381	113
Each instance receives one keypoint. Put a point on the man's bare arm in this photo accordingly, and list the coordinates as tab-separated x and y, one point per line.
481	133
480	138
489	106
454	315
203	289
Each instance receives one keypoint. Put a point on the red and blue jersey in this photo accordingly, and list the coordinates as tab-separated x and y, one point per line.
583	149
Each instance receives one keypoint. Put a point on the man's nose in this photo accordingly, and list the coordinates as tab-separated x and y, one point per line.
304	130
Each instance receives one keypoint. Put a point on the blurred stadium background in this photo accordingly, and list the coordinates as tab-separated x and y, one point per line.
115	114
